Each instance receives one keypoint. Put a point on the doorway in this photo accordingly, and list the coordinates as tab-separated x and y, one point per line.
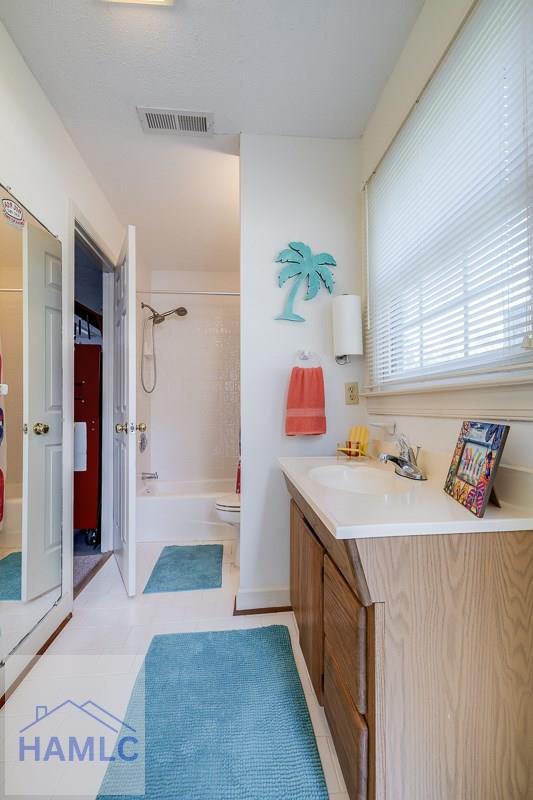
93	305
105	442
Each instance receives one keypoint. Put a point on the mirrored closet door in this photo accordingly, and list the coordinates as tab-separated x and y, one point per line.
30	422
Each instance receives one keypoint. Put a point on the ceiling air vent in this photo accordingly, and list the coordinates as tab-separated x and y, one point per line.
169	121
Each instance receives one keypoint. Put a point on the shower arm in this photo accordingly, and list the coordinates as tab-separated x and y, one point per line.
154	312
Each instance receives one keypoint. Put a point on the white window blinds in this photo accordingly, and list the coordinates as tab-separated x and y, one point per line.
449	212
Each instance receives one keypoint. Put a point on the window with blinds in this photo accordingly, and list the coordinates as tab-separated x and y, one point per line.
449	213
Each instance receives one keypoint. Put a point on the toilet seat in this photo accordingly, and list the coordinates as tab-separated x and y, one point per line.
228	511
229	502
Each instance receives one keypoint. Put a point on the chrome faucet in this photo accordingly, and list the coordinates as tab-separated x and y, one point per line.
406	462
149	476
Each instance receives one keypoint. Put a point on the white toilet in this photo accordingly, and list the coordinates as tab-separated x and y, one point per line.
228	508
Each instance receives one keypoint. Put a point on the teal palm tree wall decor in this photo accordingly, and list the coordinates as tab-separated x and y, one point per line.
302	265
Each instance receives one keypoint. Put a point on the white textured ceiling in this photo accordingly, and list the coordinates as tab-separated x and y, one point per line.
288	67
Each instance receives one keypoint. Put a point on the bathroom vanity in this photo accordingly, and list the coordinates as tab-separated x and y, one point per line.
419	646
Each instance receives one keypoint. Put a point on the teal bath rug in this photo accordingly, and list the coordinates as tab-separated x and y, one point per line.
183	568
10	576
225	719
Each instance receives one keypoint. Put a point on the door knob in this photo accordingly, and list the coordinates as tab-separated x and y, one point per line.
121	428
41	428
141	427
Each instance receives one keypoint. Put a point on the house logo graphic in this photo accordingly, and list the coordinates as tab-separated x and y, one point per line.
71	732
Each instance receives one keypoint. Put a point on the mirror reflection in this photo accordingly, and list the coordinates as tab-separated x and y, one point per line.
30	422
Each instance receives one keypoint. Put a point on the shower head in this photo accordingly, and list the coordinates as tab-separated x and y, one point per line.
157	317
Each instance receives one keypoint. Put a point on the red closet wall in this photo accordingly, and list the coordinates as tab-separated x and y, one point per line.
87	398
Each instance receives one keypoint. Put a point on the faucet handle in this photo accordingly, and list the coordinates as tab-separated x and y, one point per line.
406	451
403	445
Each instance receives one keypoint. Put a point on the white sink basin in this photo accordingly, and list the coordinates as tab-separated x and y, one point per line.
359	480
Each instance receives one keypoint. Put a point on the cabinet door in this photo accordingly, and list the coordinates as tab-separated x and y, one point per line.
295	560
345	632
348	729
307	574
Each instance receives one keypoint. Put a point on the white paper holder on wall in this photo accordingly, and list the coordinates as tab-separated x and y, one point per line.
347	327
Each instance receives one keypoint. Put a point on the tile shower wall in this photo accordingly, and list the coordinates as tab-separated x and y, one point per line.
195	409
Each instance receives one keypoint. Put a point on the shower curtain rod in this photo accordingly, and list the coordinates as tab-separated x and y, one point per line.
188	291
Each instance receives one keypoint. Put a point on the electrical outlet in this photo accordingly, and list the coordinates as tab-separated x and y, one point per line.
351	394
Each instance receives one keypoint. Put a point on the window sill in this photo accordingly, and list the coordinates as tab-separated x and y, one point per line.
506	397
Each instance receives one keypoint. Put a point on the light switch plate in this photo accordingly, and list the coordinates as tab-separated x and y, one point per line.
351	394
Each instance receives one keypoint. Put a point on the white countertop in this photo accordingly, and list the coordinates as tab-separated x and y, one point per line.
423	508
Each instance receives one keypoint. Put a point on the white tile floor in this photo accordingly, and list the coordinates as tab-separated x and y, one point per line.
107	623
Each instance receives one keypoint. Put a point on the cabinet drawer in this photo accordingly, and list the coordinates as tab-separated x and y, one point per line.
348	729
345	629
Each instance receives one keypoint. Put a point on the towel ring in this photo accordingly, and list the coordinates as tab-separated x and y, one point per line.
306	356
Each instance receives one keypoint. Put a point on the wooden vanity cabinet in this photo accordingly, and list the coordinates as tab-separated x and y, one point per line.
332	627
420	650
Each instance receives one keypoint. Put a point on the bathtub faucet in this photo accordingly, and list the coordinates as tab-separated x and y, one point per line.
149	476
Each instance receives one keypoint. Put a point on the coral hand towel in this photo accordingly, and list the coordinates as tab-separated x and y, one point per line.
306	415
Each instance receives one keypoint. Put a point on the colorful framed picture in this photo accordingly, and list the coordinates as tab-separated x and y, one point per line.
474	464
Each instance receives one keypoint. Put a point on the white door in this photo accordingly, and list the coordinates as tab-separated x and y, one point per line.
124	438
42	413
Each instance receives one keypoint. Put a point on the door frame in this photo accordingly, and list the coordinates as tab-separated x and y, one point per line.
106	467
108	360
79	222
106	421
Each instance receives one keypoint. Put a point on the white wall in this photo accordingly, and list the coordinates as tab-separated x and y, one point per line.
194	411
432	34
291	189
43	169
40	161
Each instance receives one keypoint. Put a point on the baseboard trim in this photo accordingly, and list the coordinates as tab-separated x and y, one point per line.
248	600
251	611
41	651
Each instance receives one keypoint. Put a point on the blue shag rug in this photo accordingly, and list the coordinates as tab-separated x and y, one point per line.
10	576
226	719
183	568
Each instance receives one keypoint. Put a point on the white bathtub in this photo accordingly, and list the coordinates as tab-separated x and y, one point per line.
173	511
10	535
